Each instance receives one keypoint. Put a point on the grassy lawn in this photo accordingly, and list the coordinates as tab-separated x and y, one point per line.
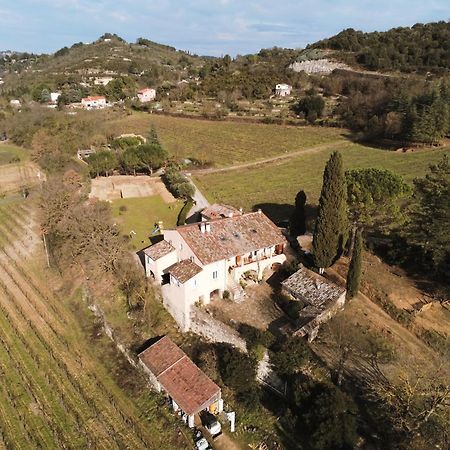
141	214
10	153
275	185
225	143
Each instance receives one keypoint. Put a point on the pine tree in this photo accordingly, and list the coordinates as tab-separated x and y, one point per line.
355	269
297	221
330	233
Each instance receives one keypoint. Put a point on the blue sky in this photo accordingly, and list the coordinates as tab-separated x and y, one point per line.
213	27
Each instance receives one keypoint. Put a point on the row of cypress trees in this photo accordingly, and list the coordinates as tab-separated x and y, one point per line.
331	231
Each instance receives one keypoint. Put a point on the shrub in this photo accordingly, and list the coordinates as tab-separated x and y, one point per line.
290	356
330	419
177	183
291	307
238	370
255	337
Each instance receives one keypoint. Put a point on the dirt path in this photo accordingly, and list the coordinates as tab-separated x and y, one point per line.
316	149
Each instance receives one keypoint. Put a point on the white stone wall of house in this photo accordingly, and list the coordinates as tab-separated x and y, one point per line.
175	299
157	267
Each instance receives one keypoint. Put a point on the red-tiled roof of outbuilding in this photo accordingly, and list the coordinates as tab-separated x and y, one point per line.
191	388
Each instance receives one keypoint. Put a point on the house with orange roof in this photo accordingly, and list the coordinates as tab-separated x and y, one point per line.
197	262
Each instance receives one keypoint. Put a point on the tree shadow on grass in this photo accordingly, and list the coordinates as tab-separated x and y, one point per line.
280	213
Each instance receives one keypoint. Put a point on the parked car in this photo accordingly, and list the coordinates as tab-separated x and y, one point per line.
211	424
202	444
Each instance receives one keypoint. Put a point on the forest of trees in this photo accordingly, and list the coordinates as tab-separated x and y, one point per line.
391	108
422	48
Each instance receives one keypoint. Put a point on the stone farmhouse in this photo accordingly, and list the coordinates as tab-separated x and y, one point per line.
319	298
283	90
171	371
197	261
146	95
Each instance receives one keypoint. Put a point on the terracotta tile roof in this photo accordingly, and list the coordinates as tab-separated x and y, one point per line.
191	389
159	250
161	355
218	211
231	236
184	270
312	288
143	91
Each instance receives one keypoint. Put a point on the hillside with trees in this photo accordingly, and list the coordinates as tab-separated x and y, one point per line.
132	65
420	48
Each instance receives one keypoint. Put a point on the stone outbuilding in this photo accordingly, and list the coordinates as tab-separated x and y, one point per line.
320	299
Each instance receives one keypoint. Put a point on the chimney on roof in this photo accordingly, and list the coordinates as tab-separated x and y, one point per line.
202	227
207	227
259	211
241	210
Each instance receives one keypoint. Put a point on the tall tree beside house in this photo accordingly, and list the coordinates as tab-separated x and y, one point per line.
330	232
355	269
297	222
374	199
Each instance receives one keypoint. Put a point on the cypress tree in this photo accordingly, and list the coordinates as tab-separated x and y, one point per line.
355	269
297	221
330	232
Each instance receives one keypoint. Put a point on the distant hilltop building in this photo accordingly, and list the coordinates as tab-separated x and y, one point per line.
54	96
97	102
283	90
15	103
146	95
102	81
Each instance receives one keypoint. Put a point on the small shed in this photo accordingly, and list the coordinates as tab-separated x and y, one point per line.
172	371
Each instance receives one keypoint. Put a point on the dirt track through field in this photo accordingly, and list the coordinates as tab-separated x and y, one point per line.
275	159
53	393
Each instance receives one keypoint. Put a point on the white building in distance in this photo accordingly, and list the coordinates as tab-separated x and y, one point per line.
102	81
283	90
95	102
146	95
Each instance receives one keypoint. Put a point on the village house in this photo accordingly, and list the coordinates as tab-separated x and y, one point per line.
170	370
15	103
283	90
319	298
54	96
96	102
197	261
146	95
